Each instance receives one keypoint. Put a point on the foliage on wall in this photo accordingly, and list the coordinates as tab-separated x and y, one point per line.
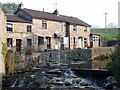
4	49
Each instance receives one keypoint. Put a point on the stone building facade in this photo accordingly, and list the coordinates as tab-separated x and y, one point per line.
2	40
46	31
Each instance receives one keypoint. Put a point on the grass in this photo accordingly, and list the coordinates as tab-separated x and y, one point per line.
112	34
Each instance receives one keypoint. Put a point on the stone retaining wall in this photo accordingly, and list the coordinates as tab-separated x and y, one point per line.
77	54
71	58
102	50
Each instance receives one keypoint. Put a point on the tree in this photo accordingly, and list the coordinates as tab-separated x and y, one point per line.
116	64
9	8
112	25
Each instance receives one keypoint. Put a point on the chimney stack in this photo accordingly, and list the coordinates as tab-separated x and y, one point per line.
56	12
43	9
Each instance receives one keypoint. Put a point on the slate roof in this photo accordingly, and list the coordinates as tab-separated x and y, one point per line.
51	16
74	20
14	18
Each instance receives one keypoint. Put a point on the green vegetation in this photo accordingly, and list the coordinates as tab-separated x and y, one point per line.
4	49
9	8
109	65
112	33
28	50
17	58
9	62
116	64
103	57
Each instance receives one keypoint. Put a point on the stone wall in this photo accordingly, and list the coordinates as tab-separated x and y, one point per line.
2	39
77	58
102	50
64	57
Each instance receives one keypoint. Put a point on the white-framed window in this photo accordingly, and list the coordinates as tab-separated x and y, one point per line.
75	28
85	29
96	38
75	40
44	24
9	42
9	27
93	38
85	42
60	25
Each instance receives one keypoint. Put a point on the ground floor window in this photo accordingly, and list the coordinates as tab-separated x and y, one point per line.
40	40
9	42
85	42
75	40
29	42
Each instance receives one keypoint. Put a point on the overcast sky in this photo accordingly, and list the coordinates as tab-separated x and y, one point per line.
90	11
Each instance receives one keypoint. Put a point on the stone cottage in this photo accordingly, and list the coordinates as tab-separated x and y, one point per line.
46	31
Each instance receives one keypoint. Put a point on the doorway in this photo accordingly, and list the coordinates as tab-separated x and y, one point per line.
48	42
18	45
80	42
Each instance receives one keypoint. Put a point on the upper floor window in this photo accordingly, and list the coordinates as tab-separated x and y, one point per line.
85	29
74	27
44	24
29	28
95	38
9	42
9	27
60	25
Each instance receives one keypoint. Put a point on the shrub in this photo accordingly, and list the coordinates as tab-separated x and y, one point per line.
28	50
9	62
116	64
109	65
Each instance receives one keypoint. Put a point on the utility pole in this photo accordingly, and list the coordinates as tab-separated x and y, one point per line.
106	22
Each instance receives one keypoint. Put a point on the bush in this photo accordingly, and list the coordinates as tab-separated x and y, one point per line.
116	64
102	57
9	62
28	50
17	58
109	65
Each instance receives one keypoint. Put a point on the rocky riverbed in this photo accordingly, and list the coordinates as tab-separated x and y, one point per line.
52	79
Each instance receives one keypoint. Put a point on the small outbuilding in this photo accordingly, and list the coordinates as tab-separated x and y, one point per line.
94	40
